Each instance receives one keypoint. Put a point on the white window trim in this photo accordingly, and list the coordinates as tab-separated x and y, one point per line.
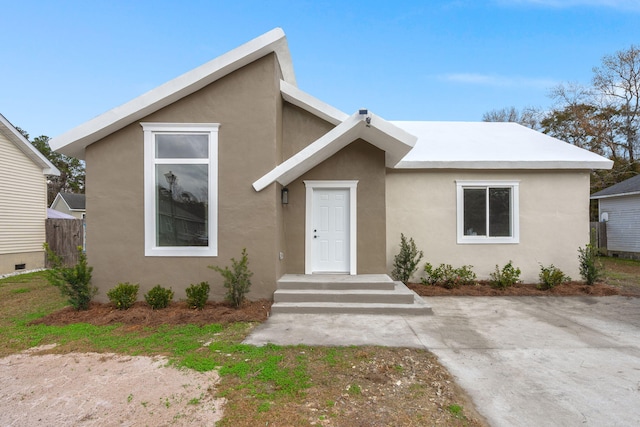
515	212
353	223
149	130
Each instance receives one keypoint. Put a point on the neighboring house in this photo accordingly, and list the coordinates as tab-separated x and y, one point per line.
233	155
619	208
23	201
71	204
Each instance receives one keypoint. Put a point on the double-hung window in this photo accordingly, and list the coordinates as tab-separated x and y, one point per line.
487	211
180	189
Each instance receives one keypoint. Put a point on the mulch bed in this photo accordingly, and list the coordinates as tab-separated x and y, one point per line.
178	313
519	289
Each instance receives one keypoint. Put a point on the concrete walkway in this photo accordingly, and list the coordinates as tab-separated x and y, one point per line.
525	361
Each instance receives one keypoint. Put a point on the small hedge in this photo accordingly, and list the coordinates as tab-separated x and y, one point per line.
124	295
197	295
159	297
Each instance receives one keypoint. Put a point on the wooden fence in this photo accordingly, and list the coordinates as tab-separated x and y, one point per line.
63	237
599	235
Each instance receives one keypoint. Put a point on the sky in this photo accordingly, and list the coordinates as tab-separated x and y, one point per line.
65	62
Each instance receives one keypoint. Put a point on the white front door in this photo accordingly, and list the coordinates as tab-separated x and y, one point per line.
330	227
330	224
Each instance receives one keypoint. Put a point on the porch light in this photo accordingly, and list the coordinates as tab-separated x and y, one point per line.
284	196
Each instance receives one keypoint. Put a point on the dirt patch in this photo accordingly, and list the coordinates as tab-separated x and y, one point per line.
178	313
520	289
92	389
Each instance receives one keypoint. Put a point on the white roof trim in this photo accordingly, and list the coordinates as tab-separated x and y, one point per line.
27	148
609	196
395	142
74	142
295	96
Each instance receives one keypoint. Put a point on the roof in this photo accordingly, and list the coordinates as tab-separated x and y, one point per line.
395	142
627	187
491	145
74	142
54	214
13	135
75	202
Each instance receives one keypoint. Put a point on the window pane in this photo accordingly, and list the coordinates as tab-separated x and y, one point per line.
499	212
182	146
475	212
182	202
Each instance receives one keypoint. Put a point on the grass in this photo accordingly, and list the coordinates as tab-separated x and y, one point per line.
292	385
624	273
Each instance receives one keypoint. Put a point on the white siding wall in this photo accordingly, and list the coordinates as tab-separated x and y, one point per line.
623	227
23	204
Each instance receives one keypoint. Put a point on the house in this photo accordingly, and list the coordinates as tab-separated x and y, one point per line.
619	208
71	204
234	155
23	201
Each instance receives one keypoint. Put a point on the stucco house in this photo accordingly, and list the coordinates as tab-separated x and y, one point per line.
23	201
619	208
234	155
71	204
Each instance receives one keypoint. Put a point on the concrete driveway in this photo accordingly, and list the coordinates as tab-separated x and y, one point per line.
525	361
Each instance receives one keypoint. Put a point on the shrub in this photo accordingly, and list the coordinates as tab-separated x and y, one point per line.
236	279
551	276
197	295
124	295
447	276
158	297
590	268
508	276
73	282
406	262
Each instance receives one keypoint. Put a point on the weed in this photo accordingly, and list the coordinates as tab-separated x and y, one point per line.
407	260
158	297
590	268
73	282
354	390
447	276
197	295
129	398
508	276
456	411
551	276
20	291
124	295
264	407
236	279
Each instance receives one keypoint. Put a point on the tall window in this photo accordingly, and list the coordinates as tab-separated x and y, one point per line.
488	212
180	189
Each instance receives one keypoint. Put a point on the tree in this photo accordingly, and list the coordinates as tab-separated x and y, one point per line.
529	116
72	171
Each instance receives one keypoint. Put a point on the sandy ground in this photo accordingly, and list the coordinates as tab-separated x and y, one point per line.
92	389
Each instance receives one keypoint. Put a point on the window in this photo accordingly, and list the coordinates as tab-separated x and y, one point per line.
488	211
180	189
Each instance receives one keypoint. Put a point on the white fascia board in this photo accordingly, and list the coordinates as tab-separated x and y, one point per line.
295	96
74	142
497	164
394	141
27	148
313	154
609	196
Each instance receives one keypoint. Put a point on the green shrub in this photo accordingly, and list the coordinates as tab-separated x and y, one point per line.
590	268
447	276
158	297
236	279
124	295
73	282
508	276
198	295
551	276
406	262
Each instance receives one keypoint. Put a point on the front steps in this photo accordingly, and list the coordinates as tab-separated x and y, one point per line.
344	294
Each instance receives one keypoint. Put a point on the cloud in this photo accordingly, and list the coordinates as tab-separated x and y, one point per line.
497	80
563	4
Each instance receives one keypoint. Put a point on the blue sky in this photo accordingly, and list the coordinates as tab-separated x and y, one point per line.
64	62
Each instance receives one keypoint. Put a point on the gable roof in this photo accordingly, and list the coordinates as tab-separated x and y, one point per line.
75	202
395	142
74	142
13	135
627	187
491	145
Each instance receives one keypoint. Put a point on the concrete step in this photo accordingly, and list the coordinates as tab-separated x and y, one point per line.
416	308
336	281
400	294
